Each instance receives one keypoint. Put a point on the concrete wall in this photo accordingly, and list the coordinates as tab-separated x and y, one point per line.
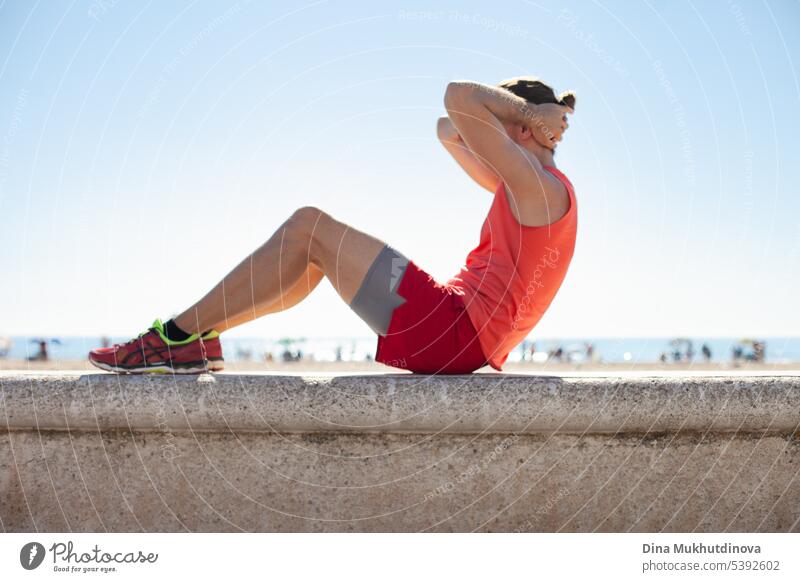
486	452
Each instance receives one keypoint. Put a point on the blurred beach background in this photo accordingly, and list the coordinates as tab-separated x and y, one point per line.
342	354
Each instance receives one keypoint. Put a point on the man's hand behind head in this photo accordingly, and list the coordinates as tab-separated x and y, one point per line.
548	123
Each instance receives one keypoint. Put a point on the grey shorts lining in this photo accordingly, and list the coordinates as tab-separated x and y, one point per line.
377	298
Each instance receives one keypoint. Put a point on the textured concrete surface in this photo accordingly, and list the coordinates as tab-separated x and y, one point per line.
494	403
399	453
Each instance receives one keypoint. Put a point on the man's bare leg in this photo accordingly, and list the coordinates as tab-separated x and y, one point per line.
284	270
304	286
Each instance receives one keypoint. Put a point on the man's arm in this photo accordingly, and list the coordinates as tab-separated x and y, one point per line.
477	112
453	143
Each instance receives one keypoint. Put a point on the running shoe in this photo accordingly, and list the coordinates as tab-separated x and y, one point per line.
213	349
152	352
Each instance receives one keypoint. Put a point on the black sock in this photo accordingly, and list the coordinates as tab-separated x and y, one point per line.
174	333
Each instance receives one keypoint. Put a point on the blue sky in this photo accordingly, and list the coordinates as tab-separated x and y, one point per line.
146	147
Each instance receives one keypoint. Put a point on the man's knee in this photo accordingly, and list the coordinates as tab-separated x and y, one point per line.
305	221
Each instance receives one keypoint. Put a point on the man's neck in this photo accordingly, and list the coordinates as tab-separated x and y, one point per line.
544	155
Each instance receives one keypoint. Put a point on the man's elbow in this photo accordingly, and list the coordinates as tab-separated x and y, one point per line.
445	130
458	93
441	127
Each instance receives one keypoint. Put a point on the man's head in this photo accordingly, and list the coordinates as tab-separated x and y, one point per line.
535	91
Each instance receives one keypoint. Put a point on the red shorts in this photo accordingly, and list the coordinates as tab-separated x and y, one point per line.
431	332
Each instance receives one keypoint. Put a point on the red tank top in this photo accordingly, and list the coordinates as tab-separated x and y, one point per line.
513	274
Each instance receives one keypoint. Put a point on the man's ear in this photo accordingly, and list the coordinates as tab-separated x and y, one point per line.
523	133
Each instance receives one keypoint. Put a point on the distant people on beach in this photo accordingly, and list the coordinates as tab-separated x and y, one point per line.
290	356
682	350
527	350
577	353
42	355
759	351
5	346
749	350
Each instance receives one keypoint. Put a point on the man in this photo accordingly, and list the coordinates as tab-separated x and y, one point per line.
504	138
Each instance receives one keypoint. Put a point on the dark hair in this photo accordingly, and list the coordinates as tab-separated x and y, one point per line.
533	90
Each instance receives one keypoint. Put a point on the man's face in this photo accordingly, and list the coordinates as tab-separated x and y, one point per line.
529	137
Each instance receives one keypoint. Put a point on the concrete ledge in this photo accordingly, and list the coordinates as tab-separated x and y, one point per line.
486	452
477	404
